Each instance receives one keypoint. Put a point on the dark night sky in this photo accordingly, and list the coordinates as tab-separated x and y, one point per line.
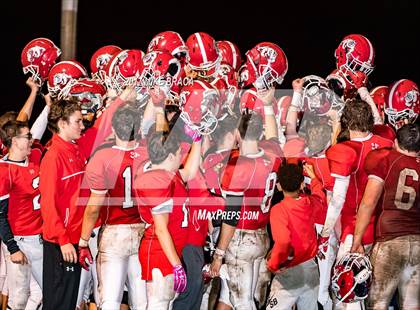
308	32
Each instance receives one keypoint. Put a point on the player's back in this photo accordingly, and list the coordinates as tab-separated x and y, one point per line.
399	205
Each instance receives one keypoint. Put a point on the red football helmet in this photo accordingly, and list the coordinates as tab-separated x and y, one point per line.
226	82
355	53
379	95
340	85
402	103
352	277
266	64
251	102
90	93
200	106
317	97
124	69
38	56
100	59
230	54
171	42
203	55
63	76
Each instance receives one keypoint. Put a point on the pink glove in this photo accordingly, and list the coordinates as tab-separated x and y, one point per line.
194	135
180	279
322	247
84	254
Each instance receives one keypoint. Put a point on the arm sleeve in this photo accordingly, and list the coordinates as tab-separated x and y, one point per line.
281	235
48	187
40	124
318	197
376	164
157	194
5	231
95	176
336	204
233	210
340	159
365	96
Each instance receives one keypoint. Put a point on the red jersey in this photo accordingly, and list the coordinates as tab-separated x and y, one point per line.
273	151
213	166
19	183
159	192
111	171
293	227
252	177
399	206
384	131
347	159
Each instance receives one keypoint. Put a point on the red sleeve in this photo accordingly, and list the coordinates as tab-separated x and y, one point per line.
4	183
95	176
155	191
273	151
281	235
48	186
36	152
235	179
341	158
95	135
318	198
376	163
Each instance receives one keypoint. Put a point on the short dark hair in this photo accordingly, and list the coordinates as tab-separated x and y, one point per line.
10	130
290	177
357	115
61	110
126	123
160	144
408	137
250	126
8	116
228	124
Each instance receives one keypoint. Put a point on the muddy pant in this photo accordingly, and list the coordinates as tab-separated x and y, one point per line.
160	291
118	263
248	275
396	264
296	285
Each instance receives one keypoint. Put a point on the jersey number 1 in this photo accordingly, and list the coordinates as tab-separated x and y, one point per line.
128	201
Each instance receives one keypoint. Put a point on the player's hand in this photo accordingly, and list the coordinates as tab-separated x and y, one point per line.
309	170
69	253
266	96
215	267
322	247
357	248
359	79
85	257
32	85
18	258
180	279
297	85
193	134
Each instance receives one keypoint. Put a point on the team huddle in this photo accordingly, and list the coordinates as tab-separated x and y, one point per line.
184	178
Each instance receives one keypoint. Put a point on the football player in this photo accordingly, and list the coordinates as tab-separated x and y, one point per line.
392	189
110	177
292	224
163	204
20	216
346	160
248	184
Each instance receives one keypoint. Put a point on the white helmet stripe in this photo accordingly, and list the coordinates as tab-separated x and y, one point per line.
202	50
76	65
392	91
232	47
371	52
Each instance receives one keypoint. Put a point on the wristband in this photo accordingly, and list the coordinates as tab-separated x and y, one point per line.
219	253
268	110
83	243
